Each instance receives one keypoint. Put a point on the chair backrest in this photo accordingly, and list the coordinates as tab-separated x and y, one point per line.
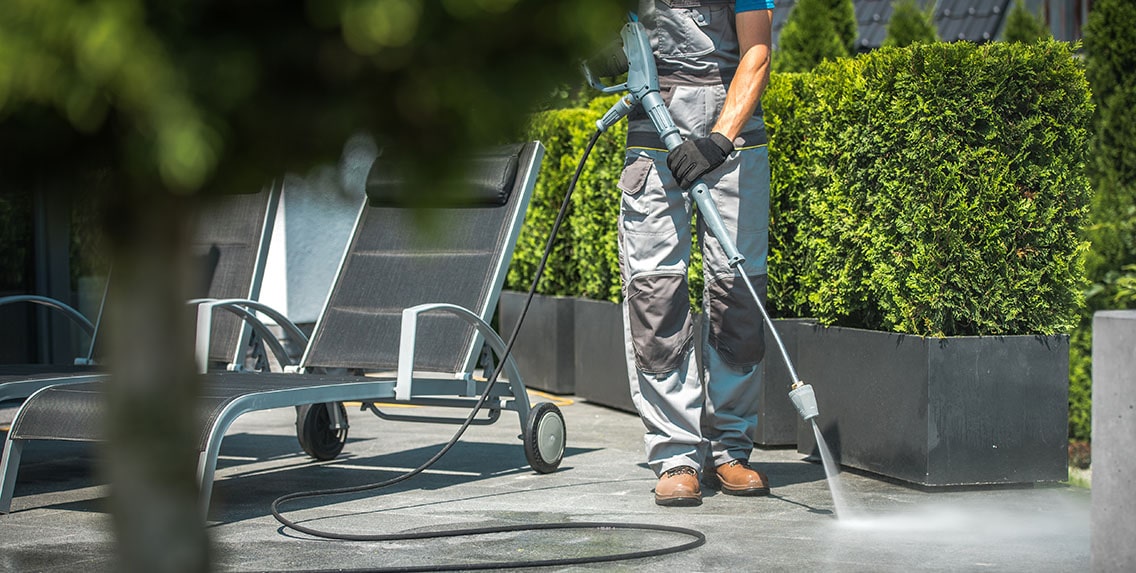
398	258
230	241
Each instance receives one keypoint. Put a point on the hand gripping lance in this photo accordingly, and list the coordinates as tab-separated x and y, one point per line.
635	58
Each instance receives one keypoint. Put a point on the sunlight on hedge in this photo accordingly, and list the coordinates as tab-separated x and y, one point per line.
937	190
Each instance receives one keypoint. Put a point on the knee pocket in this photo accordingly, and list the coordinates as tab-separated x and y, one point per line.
658	311
736	329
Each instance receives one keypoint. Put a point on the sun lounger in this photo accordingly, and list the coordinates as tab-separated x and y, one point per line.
231	242
411	306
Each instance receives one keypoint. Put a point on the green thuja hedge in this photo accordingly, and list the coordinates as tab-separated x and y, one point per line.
1110	66
784	101
595	206
585	259
936	189
946	190
563	133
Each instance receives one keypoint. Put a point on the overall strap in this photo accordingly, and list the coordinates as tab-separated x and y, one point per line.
694	3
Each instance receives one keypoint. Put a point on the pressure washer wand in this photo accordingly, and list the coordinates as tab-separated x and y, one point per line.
642	88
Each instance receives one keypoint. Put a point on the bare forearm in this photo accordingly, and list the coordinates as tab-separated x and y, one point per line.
752	75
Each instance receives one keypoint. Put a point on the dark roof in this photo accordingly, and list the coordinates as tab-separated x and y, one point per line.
872	17
971	20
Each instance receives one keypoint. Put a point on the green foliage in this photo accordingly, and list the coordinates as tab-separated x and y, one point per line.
909	25
559	131
935	190
784	102
1080	381
1110	66
1126	287
595	212
16	217
83	59
843	16
944	190
585	257
1024	26
809	37
1111	70
185	95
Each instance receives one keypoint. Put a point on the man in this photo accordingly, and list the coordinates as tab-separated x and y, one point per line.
713	62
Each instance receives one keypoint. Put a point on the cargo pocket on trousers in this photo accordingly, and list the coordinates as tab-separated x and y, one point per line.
658	309
634	175
640	211
736	330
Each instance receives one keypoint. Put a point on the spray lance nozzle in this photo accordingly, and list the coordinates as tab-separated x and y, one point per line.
804	400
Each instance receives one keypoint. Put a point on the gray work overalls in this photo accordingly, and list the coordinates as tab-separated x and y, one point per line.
705	414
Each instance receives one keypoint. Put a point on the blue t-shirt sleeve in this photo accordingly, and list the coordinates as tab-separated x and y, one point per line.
750	5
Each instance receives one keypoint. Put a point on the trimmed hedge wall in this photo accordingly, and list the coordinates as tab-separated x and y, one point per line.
784	103
946	190
585	257
937	189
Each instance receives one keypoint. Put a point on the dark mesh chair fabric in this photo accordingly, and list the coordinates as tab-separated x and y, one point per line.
18	381
449	254
229	236
391	264
489	181
18	372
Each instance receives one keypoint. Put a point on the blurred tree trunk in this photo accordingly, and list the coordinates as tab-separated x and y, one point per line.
151	454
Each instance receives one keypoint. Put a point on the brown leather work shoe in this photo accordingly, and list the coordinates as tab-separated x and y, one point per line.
678	487
737	478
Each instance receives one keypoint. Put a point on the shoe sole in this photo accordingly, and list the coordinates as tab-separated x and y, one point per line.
715	482
678	501
746	492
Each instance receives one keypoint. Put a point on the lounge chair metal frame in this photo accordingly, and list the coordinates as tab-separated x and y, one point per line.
24	381
240	393
67	310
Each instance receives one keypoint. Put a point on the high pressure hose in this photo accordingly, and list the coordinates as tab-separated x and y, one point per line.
697	537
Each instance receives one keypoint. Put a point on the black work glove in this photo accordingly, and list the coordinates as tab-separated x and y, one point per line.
696	157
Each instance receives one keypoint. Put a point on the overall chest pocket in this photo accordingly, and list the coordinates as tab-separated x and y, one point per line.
684	33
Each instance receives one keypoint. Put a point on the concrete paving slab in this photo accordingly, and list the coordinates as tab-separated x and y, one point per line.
59	521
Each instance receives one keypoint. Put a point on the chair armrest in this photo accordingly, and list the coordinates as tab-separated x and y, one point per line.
403	389
246	310
75	316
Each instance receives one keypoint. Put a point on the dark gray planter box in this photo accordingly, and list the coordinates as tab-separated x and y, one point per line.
777	419
940	412
544	350
600	358
601	369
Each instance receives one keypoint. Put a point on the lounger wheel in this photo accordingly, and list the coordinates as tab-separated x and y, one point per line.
313	429
544	437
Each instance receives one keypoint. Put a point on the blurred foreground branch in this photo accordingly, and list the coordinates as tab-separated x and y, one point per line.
187	97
